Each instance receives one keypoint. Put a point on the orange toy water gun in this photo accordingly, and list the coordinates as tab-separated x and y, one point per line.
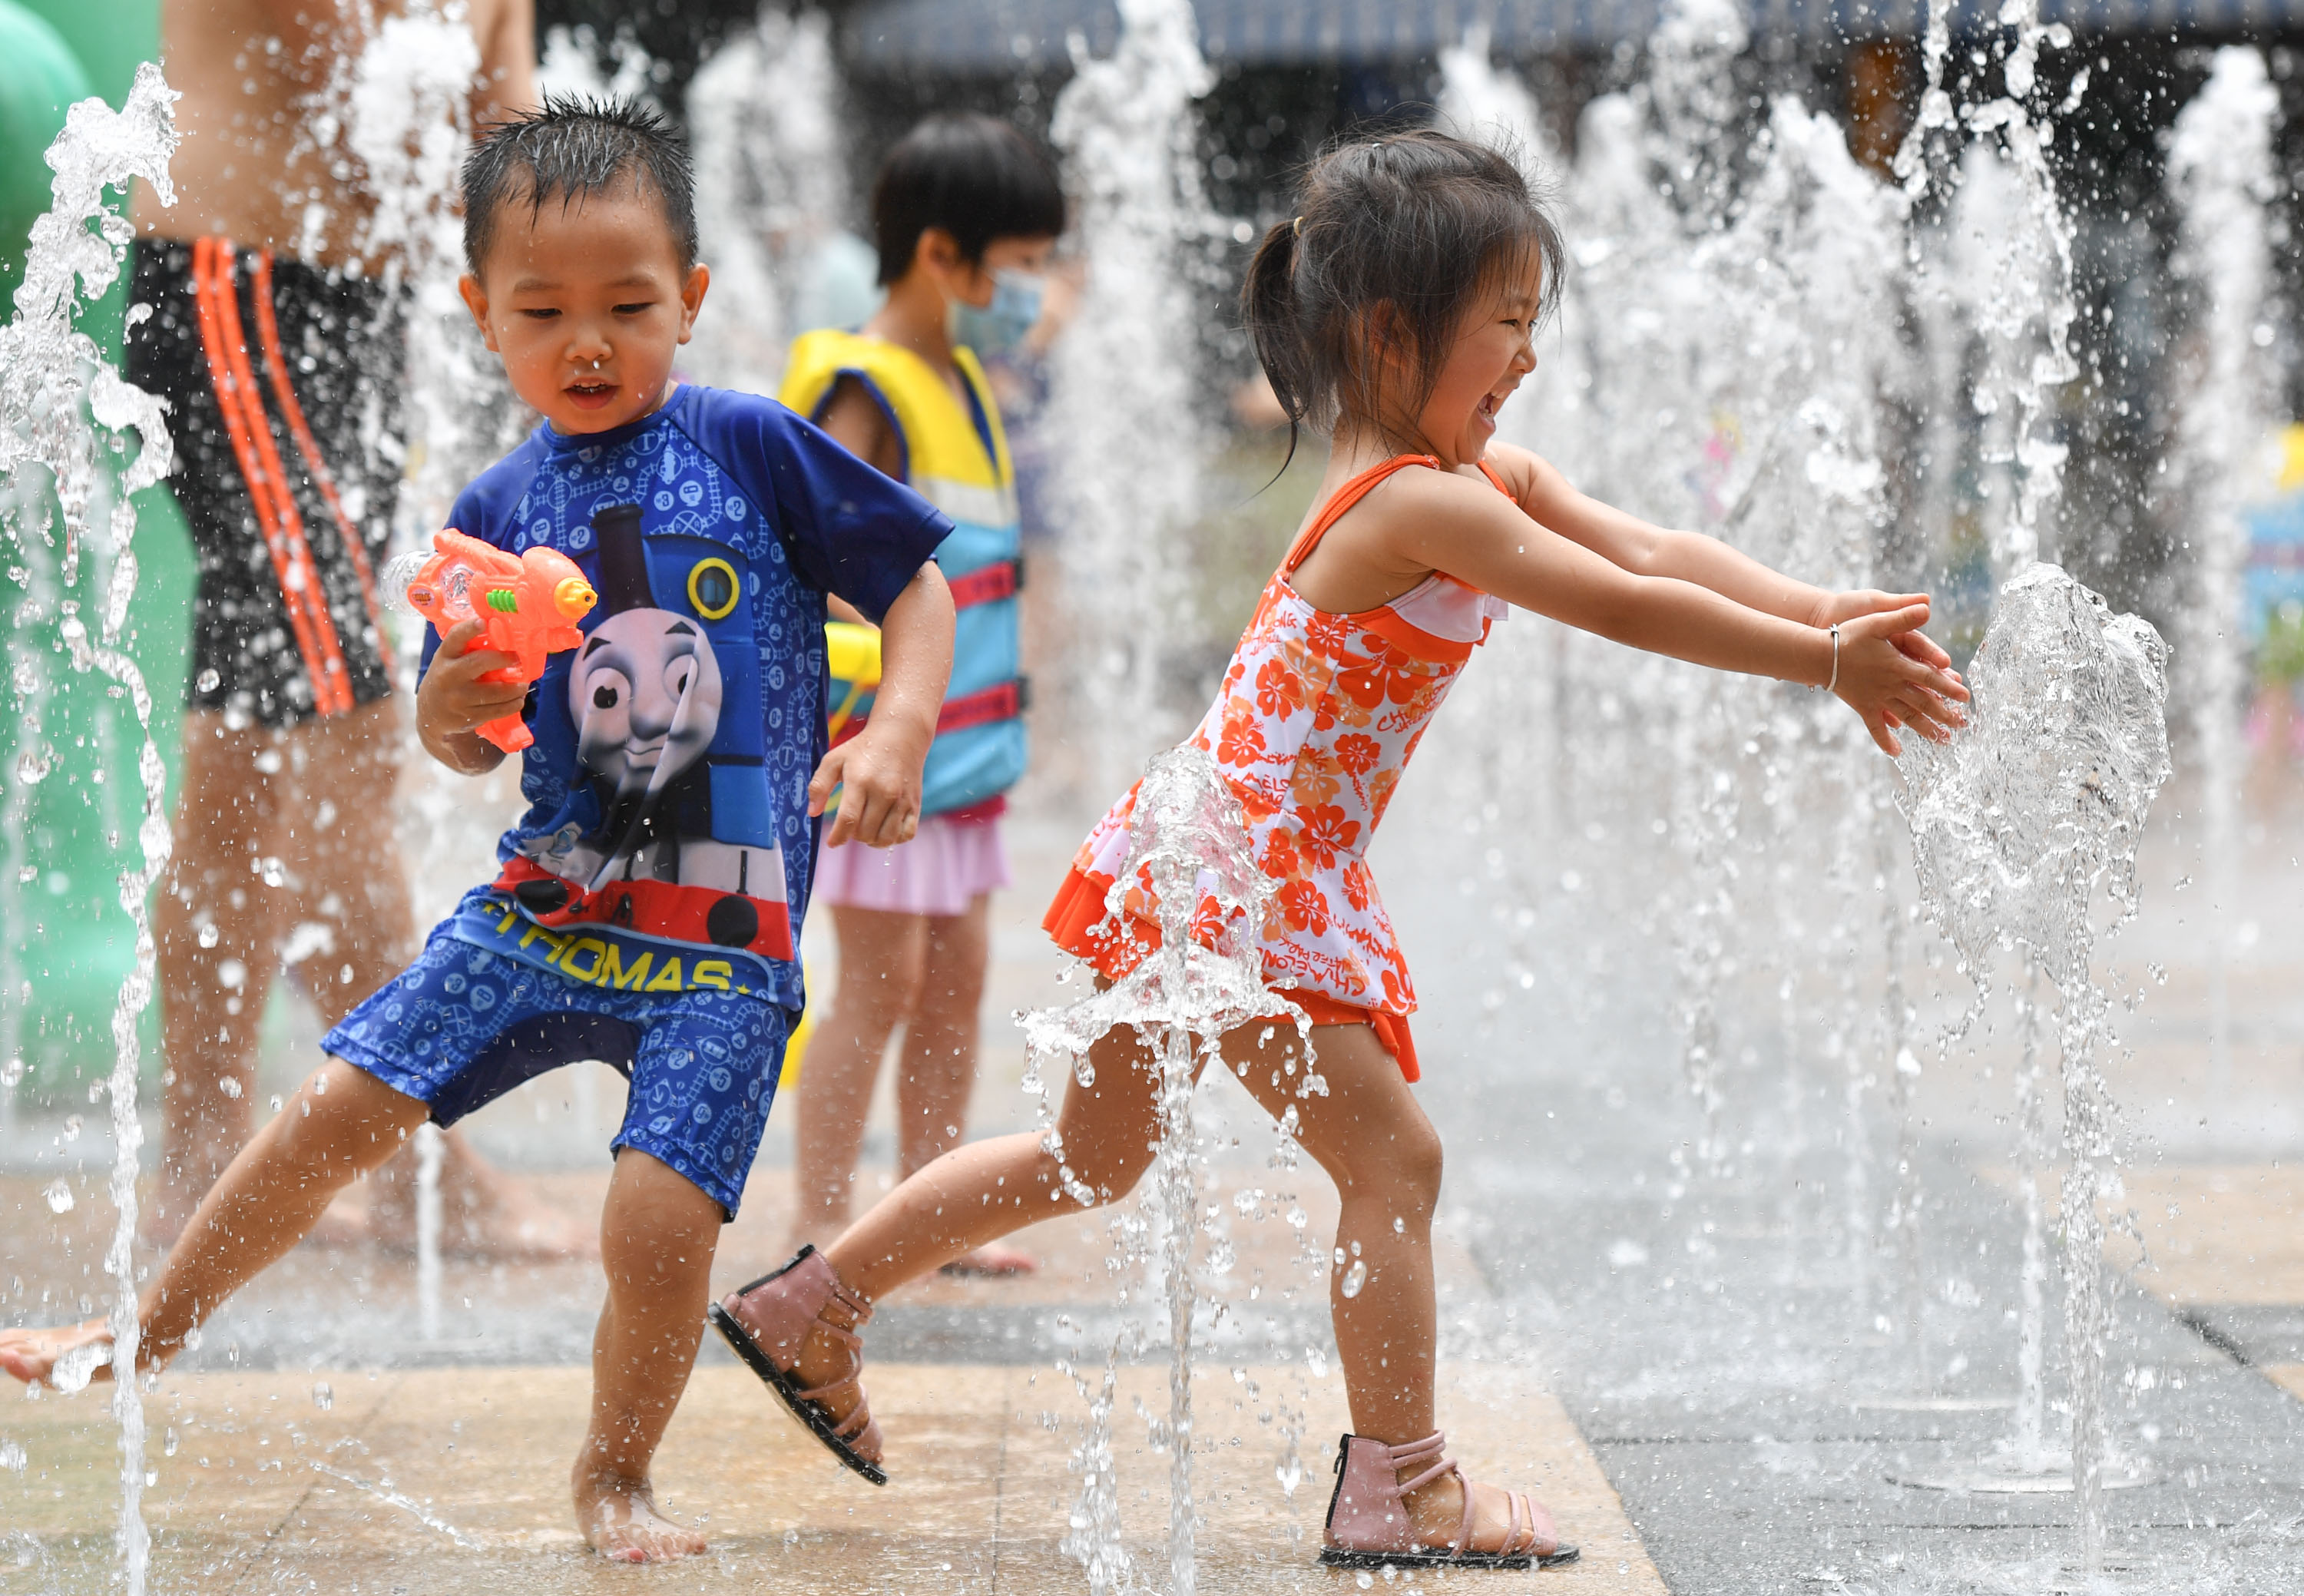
530	603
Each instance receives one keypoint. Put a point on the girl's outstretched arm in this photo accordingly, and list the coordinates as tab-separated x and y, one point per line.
1463	527
1626	540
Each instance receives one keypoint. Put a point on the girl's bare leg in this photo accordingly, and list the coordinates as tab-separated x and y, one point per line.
342	1122
657	1232
880	956
982	1190
1368	1131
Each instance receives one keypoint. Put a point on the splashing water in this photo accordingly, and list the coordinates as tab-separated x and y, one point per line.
1727	360
383	1492
402	106
403	103
1130	453
2017	825
1189	847
429	1150
67	417
770	188
2222	173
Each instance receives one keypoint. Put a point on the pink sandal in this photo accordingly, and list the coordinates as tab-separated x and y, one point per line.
1367	1528
769	1322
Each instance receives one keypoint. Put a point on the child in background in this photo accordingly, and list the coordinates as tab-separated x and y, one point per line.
1400	310
650	898
965	212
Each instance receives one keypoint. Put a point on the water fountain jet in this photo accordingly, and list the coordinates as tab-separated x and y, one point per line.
67	420
2018	824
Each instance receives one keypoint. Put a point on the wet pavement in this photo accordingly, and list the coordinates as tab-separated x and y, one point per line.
1710	1375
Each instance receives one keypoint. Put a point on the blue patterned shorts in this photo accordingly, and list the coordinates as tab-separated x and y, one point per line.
462	1026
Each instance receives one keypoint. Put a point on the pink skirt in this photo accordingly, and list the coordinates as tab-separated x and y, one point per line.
940	873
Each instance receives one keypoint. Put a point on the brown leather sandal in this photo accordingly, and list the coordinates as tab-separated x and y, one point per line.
768	1323
1368	1527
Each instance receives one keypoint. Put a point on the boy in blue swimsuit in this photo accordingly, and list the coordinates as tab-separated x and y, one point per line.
649	901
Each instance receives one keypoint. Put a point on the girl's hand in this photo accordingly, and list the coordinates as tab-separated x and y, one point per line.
1842	607
1890	675
879	774
452	702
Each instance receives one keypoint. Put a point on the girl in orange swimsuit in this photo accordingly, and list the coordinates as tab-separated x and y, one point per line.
1398	312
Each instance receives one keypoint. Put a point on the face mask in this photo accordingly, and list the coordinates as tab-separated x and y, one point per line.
1001	326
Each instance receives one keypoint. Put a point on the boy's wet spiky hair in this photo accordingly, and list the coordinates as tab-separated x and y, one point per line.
569	149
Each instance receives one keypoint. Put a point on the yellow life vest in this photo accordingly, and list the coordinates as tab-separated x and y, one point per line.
963	469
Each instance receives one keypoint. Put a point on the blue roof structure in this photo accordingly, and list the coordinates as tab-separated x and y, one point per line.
985	36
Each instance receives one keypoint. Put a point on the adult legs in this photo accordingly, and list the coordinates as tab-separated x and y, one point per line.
657	1234
340	1123
278	830
880	960
216	931
345	861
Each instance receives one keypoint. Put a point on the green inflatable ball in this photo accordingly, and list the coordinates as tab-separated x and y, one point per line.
40	80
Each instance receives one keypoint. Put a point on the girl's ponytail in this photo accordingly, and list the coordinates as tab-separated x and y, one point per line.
1269	313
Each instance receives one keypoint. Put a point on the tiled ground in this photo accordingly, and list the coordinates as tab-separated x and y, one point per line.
455	1481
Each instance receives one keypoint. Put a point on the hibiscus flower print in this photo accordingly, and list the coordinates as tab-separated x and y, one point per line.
1279	691
1242	740
1305	907
1328	634
1398	996
1279	860
1357	891
1386	674
1208	922
1317	777
1322	831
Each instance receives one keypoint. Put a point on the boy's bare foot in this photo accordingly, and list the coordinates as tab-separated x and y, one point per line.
65	1357
620	1521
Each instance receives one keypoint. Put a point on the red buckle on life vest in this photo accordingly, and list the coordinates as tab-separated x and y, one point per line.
1003	701
987	583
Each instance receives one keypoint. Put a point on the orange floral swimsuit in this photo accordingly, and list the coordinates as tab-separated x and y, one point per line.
1312	728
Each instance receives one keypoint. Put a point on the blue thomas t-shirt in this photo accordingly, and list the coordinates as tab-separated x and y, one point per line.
667	845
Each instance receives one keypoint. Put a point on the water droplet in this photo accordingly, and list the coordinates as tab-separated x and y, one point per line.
1355	1278
33	765
59	1195
170	1442
207	681
13	1458
72	1123
209	935
231	975
229	1087
323	1398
